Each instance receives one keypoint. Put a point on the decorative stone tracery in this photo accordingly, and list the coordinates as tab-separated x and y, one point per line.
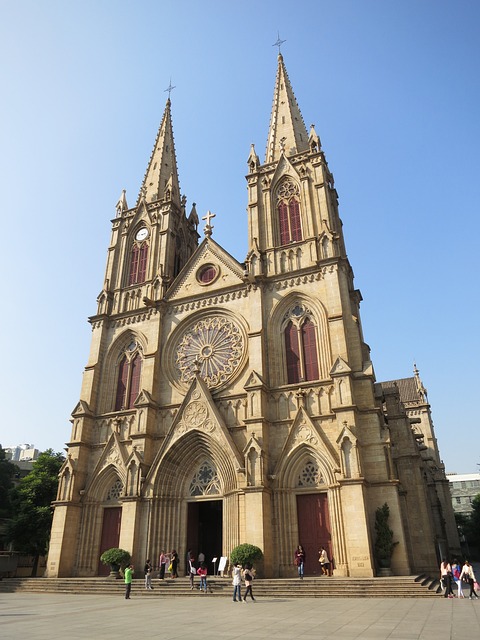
205	481
214	346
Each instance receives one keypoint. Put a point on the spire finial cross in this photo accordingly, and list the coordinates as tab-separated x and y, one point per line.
278	43
170	88
208	227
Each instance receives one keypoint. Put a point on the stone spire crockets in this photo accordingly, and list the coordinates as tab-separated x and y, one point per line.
161	178
287	130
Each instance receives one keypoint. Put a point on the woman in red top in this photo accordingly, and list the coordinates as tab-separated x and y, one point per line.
202	574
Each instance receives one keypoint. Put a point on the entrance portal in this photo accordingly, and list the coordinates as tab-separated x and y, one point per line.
204	530
112	518
314	529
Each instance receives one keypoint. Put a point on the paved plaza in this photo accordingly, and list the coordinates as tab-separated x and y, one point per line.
50	616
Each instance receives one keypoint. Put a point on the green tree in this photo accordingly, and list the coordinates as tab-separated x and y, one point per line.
384	544
8	470
472	527
29	529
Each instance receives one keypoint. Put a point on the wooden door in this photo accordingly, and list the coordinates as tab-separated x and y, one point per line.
313	529
112	518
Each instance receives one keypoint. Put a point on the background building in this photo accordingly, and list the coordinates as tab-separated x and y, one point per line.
226	402
463	489
24	452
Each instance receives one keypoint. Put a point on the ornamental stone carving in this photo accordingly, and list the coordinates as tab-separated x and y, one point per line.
305	434
214	347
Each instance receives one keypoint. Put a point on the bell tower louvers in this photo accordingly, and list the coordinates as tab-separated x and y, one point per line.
152	241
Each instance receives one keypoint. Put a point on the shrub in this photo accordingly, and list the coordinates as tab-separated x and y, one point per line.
384	544
245	553
115	556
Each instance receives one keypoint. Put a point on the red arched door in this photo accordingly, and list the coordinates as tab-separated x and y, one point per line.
314	529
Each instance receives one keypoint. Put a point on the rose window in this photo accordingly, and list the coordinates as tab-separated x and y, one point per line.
213	347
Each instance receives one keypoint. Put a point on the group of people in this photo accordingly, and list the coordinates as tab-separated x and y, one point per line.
248	574
299	561
454	573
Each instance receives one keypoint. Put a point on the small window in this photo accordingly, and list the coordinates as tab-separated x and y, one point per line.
207	274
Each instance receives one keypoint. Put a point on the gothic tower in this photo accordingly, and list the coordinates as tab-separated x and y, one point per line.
227	402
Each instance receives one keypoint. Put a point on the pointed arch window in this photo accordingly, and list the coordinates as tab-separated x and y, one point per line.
128	378
138	263
310	475
288	209
115	492
300	339
178	260
205	481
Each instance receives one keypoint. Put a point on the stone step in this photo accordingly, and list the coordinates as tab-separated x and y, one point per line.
392	587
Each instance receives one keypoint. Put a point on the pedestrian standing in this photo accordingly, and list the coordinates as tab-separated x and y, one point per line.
299	560
248	576
324	561
469	577
202	574
128	580
456	571
174	564
147	570
191	571
237	583
446	578
162	563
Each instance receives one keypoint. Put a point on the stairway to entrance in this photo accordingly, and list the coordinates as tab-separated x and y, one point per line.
327	587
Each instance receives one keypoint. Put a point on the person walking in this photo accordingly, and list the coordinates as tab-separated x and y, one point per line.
174	564
202	574
147	570
237	583
446	578
324	562
456	571
469	577
299	560
128	580
162	563
248	576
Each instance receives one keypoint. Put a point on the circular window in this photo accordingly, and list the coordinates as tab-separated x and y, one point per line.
207	274
213	346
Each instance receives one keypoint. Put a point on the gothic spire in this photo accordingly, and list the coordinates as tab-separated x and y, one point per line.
161	178
287	129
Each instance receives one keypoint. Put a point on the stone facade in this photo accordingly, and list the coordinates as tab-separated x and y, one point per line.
227	402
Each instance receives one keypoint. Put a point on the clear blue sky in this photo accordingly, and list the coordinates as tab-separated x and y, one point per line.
392	87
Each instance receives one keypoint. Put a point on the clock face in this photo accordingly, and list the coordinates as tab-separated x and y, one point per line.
142	234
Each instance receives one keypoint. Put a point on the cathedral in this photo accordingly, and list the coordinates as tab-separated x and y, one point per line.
226	402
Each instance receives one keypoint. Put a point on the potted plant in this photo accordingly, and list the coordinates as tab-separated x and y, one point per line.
245	554
384	544
116	558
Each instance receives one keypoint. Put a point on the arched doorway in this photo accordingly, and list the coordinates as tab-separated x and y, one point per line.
204	529
112	518
314	529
